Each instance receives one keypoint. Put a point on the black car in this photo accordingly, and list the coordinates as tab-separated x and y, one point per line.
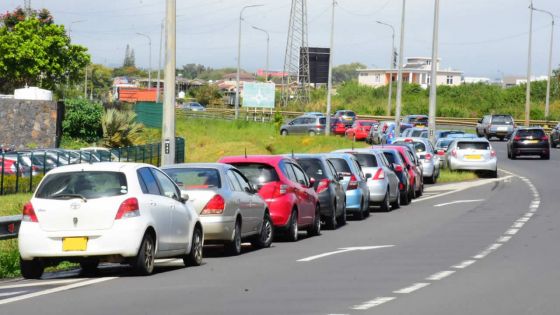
555	136
529	141
328	187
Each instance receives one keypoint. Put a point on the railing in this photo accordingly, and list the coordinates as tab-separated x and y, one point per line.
9	226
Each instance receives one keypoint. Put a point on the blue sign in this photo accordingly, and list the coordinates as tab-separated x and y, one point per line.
258	95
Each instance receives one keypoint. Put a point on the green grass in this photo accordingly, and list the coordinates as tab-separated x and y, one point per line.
13	204
447	176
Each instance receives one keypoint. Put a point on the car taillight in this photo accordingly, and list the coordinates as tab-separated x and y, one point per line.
29	213
340	125
544	138
216	205
428	156
440	152
323	185
401	186
492	153
353	184
379	174
517	138
407	140
454	153
398	168
280	190
128	209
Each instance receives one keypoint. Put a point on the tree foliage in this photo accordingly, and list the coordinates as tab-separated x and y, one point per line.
129	58
207	95
82	119
120	128
37	52
346	72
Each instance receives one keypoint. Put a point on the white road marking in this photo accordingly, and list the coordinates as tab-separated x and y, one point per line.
512	231
465	187
343	250
529	214
412	288
440	275
523	219
518	225
38	283
11	293
375	302
504	239
464	264
487	251
55	290
458	201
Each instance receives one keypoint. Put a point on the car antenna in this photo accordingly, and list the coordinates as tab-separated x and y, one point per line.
353	141
245	152
293	157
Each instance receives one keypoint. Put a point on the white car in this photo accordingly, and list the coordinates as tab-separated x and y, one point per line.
472	154
108	212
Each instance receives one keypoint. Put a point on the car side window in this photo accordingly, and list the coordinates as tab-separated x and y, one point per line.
148	182
300	176
242	181
234	183
289	172
169	189
332	169
297	121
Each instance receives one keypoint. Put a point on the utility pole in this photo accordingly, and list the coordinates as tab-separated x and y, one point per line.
159	64
168	124
547	103
85	84
149	59
433	78
267	50
329	84
399	75
528	91
389	103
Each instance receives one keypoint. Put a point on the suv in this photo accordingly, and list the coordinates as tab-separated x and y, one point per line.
306	124
418	121
347	116
500	126
529	141
555	136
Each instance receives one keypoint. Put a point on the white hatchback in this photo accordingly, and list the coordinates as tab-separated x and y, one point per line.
107	212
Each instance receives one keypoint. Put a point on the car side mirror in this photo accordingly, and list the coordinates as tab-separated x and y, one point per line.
184	197
397	167
311	182
480	121
339	177
368	176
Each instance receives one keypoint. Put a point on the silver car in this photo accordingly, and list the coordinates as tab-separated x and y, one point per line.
307	124
228	206
431	162
382	182
472	154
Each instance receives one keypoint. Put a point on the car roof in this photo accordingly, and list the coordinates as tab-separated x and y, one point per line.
267	159
197	165
100	166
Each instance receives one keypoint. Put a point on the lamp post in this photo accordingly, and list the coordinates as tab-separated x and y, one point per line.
433	79
547	103
168	119
149	59
389	104
267	50
399	75
528	90
239	57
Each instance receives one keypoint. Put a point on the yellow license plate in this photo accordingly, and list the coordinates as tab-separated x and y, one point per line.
532	141
74	244
473	157
419	126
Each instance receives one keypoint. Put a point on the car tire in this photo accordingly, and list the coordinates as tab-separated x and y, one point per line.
233	247
501	138
264	238
545	157
405	200
397	203
359	215
194	257
293	230
284	132
509	154
411	192
31	269
312	133
315	228
89	266
331	221
342	217
143	263
513	156
385	206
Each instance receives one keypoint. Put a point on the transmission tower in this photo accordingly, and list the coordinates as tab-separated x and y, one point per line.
295	81
27	8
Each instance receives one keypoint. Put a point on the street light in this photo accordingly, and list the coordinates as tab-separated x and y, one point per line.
239	57
528	90
150	59
267	50
399	75
389	105
329	81
433	78
547	103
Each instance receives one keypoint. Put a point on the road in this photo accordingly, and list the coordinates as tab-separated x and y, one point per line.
488	248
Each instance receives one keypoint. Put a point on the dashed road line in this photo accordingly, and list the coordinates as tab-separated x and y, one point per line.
440	275
375	302
39	283
412	288
464	264
504	239
512	231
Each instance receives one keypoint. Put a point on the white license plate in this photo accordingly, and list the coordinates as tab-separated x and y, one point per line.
502	128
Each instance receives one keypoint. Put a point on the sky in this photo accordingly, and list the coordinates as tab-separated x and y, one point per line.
479	37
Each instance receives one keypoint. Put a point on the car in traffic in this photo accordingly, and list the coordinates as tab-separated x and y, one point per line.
310	125
399	167
427	155
445	133
500	126
384	134
528	141
413	167
107	212
417	121
414	132
286	189
441	147
472	154
314	114
360	129
228	207
346	116
555	136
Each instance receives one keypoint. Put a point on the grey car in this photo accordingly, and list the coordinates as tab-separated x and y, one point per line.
307	124
427	155
328	186
228	206
500	126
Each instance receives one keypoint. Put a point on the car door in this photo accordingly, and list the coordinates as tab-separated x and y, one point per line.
296	125
306	195
243	201
180	216
255	212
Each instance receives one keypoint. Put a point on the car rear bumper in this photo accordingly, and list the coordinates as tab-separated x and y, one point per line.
325	203
280	210
217	228
490	165
354	200
377	189
531	151
429	168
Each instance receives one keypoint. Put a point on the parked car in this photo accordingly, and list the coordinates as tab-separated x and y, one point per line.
382	182
24	162
413	167
417	121
319	114
229	208
441	147
328	186
555	136
117	212
347	116
360	129
354	183
529	141
384	134
338	127
399	167
472	154
445	133
427	155
311	125
194	106
414	132
102	154
500	126
10	167
287	190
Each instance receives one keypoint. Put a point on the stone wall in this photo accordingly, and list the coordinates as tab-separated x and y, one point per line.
29	124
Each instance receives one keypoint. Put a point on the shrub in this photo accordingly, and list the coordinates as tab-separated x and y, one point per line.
120	128
82	119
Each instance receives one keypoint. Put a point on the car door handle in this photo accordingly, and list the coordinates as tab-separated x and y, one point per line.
153	203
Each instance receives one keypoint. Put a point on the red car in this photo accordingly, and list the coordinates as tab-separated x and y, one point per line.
360	129
338	127
415	176
9	167
287	190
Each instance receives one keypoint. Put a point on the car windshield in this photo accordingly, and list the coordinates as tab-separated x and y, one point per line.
420	119
366	160
444	134
257	173
416	132
461	145
502	120
533	133
84	184
195	178
367	123
323	120
313	168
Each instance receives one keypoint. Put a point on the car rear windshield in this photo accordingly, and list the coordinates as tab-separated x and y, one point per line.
473	145
391	157
323	120
502	120
341	166
418	146
257	173
85	184
367	123
313	168
416	133
444	143
366	160
195	178
533	133
419	119
350	114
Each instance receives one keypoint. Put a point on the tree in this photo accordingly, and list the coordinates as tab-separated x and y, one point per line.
129	59
101	79
82	119
346	72
192	70
35	51
120	128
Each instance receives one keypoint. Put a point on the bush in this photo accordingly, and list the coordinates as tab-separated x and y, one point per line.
82	119
120	128
9	183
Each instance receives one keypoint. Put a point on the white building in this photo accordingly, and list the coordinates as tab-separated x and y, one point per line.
475	80
416	70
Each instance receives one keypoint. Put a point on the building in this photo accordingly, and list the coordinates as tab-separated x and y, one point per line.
510	80
416	70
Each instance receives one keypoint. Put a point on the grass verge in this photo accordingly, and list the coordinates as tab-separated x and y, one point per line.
448	176
13	204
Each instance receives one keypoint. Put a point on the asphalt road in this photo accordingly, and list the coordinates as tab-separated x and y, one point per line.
483	248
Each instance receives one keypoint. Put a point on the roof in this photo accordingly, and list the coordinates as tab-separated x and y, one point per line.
266	159
99	166
197	165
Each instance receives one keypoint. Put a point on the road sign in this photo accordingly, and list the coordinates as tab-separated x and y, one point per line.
258	95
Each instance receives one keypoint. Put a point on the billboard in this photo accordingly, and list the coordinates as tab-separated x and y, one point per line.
258	95
318	64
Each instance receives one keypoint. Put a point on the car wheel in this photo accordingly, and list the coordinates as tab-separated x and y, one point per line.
315	229
501	138
546	157
405	198
264	239
31	269
89	266
342	218
385	206
144	262
284	132
194	257
494	174
312	133
513	156
233	247
397	203
331	220
411	192
509	154
293	227
359	215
